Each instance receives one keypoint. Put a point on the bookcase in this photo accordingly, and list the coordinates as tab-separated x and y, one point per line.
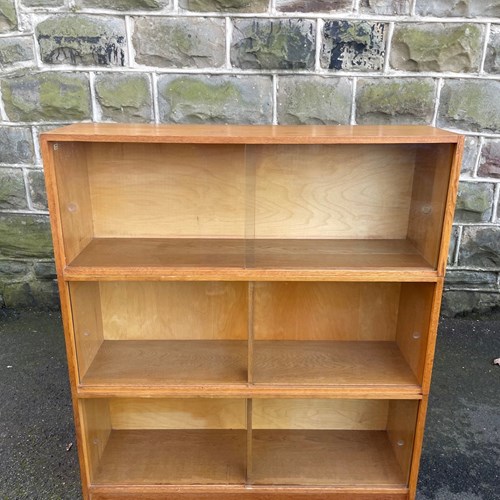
250	311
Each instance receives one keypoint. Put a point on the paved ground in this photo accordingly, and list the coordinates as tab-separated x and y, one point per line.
461	459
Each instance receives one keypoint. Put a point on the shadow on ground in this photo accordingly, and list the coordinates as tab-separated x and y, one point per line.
461	457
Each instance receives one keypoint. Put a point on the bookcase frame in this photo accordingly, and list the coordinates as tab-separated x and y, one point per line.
250	311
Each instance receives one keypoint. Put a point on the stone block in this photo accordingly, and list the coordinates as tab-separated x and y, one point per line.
353	45
314	5
8	17
36	184
453	245
437	47
480	247
273	44
37	294
393	100
42	3
82	40
469	158
225	5
15	50
215	99
124	97
45	270
468	303
470	279
458	8
474	202
489	162
11	270
25	236
12	190
492	61
125	5
47	96
17	145
195	42
314	100
470	105
385	7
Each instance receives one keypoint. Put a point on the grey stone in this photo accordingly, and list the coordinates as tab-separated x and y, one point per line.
458	8
17	145
462	303
179	42
471	150
437	47
215	99
45	270
470	105
125	4
42	3
225	5
385	7
82	39
453	245
314	5
474	202
273	44
470	279
492	61
124	97
489	162
353	45
8	18
15	50
12	270
314	100
480	247
12	190
37	294
392	100
47	96
36	184
25	236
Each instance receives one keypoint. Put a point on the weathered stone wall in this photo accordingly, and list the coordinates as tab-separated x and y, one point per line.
249	61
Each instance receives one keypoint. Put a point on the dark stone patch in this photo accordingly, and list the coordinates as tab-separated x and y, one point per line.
17	145
353	45
474	202
470	279
489	163
480	247
313	5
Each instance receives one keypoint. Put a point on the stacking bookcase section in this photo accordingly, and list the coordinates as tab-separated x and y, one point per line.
167	211
332	442
250	311
136	334
363	336
165	441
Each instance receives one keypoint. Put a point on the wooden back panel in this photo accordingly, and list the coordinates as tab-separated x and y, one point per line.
325	311
70	164
342	192
154	190
174	310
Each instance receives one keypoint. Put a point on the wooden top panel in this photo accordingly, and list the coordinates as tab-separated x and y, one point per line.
250	134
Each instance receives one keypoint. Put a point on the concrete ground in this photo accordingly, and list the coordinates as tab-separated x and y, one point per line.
38	459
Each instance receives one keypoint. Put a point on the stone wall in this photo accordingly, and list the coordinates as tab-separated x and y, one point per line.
249	61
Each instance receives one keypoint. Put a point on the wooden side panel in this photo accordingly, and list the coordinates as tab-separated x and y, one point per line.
428	205
177	413
174	310
344	191
153	190
413	324
96	424
87	322
70	162
325	311
401	431
347	414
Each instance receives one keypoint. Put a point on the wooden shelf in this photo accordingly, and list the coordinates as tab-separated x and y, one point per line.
312	457
136	363
173	457
248	259
356	365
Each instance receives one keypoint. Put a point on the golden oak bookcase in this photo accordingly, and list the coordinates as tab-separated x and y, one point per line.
250	311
